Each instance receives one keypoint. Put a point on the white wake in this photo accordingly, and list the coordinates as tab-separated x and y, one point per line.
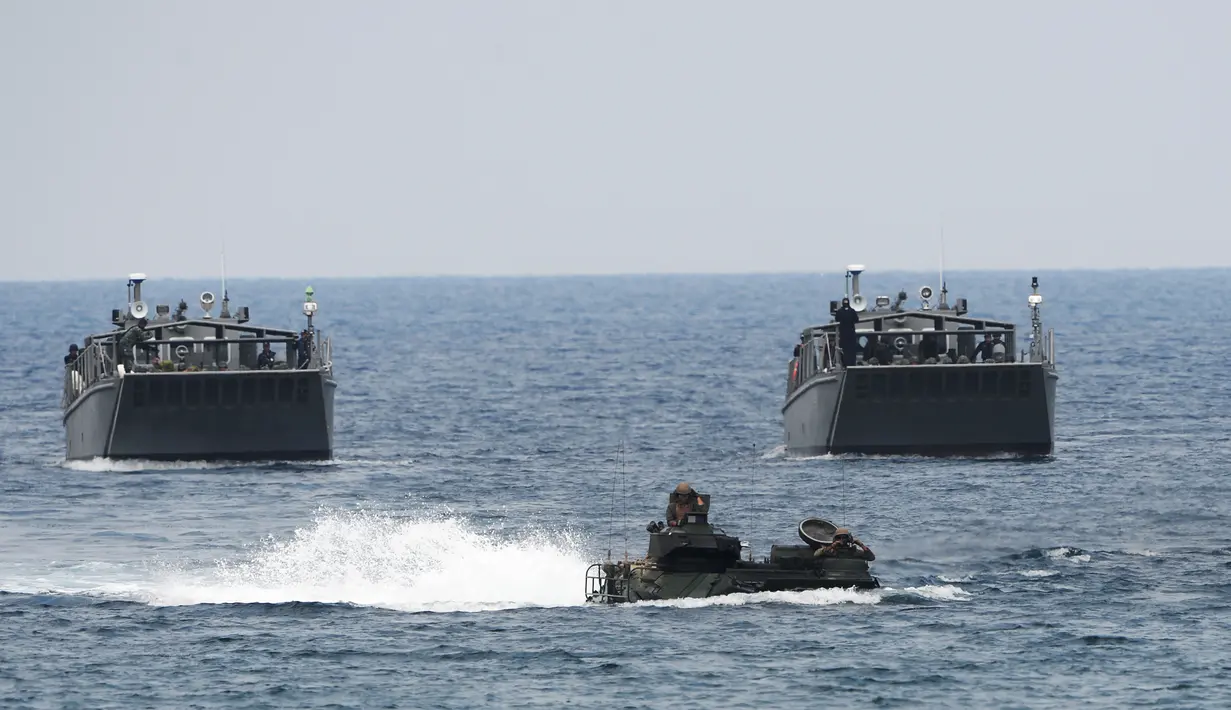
409	564
421	563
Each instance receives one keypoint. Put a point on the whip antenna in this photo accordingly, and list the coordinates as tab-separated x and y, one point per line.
842	469
624	500
611	512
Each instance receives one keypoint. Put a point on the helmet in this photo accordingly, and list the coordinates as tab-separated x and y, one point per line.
840	532
683	488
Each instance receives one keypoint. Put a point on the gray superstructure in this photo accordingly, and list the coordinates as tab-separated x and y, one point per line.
200	388
918	382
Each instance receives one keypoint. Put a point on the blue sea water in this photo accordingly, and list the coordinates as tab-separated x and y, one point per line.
438	561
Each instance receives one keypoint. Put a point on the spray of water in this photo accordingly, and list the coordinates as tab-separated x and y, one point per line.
423	563
106	465
430	563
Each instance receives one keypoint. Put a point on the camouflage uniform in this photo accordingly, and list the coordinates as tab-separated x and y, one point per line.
851	549
681	500
135	335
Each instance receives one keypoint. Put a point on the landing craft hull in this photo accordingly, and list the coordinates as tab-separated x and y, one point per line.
203	416
935	410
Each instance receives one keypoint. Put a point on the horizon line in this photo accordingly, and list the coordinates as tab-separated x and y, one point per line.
584	274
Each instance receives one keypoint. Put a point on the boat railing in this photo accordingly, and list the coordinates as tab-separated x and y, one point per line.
1042	351
602	587
324	358
99	360
92	364
820	354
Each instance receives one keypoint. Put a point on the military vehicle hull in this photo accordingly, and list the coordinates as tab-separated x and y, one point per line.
620	582
936	410
202	416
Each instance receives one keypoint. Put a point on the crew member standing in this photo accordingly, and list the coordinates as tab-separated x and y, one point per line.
846	318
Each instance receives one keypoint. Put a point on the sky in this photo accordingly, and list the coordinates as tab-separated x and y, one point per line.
567	137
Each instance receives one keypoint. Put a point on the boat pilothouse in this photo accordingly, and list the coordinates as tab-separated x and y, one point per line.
166	385
888	377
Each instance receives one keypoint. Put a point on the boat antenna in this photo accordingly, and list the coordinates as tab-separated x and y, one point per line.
226	299
944	290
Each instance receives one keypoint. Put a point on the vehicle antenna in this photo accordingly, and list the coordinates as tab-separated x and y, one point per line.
842	469
624	500
611	513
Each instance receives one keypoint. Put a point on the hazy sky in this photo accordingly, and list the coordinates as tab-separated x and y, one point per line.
447	137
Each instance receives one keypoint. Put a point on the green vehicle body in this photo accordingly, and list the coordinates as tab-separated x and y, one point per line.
695	559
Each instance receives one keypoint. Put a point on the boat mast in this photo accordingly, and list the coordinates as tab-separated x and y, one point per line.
1036	322
944	290
226	300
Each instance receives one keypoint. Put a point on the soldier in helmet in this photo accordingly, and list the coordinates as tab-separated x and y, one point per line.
135	335
682	500
265	361
846	546
303	346
846	318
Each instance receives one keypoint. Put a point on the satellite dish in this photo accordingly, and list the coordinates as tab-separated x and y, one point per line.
139	309
859	303
925	293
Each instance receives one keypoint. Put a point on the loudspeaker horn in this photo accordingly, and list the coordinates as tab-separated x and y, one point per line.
859	303
139	309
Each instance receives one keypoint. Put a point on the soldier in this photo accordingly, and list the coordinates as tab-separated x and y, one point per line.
682	500
303	346
265	361
847	317
135	335
984	351
846	546
71	357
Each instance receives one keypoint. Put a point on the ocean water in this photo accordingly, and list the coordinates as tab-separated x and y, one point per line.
438	561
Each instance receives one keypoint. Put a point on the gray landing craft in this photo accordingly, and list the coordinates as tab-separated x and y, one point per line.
695	559
199	388
929	380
